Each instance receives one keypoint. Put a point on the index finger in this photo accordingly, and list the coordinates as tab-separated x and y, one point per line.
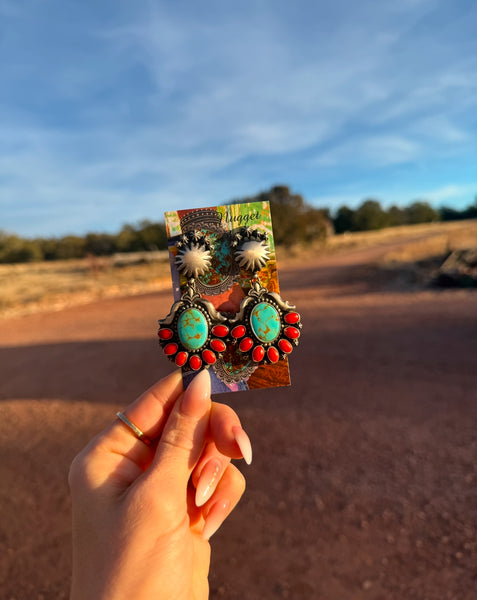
149	413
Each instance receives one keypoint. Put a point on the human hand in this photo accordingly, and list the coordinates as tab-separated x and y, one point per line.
142	515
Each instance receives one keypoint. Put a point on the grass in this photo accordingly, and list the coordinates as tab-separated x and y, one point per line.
33	287
449	235
416	242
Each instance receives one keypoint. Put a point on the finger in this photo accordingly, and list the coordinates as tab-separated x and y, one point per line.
227	495
116	456
149	413
208	472
229	440
228	434
182	440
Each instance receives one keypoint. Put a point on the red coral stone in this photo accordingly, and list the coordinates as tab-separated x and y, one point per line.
217	345
258	353
165	334
170	349
272	354
238	331
195	362
245	344
292	333
209	357
285	346
292	317
220	330
181	359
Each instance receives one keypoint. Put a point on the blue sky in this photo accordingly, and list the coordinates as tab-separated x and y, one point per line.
112	111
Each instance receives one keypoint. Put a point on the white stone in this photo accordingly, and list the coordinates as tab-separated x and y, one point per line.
253	255
193	260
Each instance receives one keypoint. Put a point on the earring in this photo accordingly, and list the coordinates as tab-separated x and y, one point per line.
192	335
266	328
195	335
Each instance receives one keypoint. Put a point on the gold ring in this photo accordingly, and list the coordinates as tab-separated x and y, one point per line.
137	432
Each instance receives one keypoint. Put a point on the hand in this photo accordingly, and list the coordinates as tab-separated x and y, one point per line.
142	515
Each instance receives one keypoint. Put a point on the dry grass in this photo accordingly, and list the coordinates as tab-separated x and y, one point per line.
418	241
33	287
451	231
436	243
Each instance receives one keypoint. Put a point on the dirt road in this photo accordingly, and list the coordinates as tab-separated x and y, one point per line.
364	480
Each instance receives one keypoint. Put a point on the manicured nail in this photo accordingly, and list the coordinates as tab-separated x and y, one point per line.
198	391
215	518
208	480
243	442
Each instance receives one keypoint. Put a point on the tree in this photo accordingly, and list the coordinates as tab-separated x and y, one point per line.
153	235
293	219
70	246
100	244
344	219
285	208
128	239
449	214
421	211
369	216
396	216
14	249
471	211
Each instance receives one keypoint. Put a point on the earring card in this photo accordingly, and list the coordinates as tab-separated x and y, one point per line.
225	284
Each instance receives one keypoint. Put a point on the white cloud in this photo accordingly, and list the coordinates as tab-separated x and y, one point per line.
377	151
450	192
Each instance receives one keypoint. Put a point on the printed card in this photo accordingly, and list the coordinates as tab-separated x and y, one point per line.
230	317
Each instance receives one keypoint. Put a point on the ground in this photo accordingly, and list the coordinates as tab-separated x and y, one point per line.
364	478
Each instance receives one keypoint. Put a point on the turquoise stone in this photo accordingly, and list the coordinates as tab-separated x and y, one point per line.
265	322
192	329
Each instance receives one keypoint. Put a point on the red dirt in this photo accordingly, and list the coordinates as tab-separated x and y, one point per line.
363	484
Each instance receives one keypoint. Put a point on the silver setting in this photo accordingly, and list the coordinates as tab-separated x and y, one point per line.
256	295
193	254
251	248
227	376
190	299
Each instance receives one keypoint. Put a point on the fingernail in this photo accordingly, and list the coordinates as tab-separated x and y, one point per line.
215	518
243	442
193	400
208	481
177	374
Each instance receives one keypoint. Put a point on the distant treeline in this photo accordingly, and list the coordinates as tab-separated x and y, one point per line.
294	221
370	215
144	236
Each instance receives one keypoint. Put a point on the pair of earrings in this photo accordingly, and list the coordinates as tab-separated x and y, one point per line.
195	335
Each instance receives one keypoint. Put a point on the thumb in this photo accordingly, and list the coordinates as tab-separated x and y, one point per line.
183	438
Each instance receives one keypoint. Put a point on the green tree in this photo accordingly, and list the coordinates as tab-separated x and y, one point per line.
14	249
369	216
285	208
421	211
153	235
396	216
49	248
128	239
70	246
344	219
100	244
293	219
471	211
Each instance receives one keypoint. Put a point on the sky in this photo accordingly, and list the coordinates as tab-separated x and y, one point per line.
114	111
